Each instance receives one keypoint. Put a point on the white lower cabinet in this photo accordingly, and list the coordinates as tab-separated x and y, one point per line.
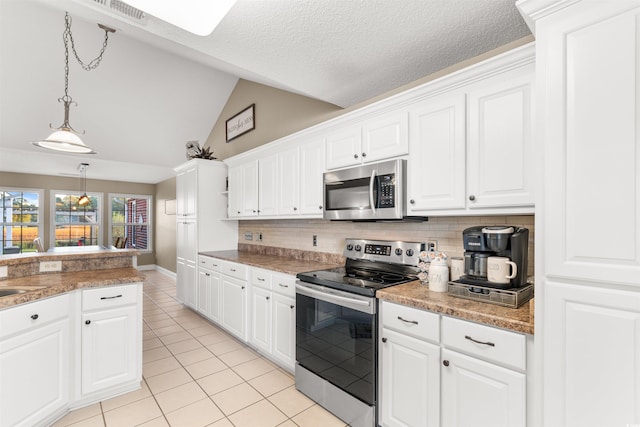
34	361
437	370
111	346
261	319
284	330
233	298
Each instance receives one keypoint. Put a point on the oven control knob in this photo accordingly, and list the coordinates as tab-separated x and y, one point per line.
410	252
398	251
358	248
349	247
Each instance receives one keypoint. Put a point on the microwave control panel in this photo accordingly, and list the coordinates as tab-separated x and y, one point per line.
386	191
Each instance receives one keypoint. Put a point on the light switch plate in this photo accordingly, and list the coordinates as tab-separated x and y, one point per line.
48	266
3	272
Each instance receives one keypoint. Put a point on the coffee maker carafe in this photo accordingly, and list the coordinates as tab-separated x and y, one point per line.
482	242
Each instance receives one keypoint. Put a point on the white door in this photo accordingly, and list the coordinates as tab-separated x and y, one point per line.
215	294
34	374
284	329
235	192
249	193
344	147
480	394
409	381
312	166
109	339
288	182
261	319
234	302
204	290
190	285
268	185
437	167
385	136
500	143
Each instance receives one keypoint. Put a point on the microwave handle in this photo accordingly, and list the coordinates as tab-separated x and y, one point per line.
371	184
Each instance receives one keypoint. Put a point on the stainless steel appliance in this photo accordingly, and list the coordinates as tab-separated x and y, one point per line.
483	242
366	193
337	326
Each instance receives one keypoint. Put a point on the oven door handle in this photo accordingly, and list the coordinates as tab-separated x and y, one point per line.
356	304
372	181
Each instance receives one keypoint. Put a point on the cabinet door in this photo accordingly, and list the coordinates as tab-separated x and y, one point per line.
477	393
289	182
235	192
34	374
385	136
234	306
268	185
186	240
186	190
109	348
284	325
249	193
437	167
501	158
204	290
261	319
312	167
344	147
591	348
215	293
190	285
409	381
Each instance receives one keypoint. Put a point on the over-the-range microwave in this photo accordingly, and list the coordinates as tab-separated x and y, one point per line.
372	192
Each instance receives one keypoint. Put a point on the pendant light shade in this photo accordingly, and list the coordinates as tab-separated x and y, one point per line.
66	141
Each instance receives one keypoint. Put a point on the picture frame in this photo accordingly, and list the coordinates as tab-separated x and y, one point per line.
241	123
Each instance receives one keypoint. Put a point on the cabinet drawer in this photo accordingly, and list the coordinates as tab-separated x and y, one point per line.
209	263
34	314
411	321
239	271
284	284
260	278
107	297
491	344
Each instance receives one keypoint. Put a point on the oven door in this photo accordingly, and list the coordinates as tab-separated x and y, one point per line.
336	335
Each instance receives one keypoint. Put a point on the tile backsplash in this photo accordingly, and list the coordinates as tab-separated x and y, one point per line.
330	235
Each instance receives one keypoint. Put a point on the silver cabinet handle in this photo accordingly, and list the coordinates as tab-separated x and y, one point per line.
407	321
261	279
467	337
283	286
116	296
232	269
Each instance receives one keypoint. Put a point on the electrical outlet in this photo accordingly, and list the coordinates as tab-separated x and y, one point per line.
259	236
47	266
315	240
248	236
432	245
3	272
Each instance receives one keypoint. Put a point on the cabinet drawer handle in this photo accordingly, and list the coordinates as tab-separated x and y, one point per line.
232	269
268	298
87	322
295	209
413	202
408	321
116	296
472	197
215	265
364	154
207	274
445	362
243	287
34	316
283	286
467	337
292	307
355	156
384	340
261	279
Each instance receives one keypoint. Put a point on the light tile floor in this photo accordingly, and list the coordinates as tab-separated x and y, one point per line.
195	374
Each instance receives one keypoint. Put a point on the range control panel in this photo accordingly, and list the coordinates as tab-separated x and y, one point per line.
382	250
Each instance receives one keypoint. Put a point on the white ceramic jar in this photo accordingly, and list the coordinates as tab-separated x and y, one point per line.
438	275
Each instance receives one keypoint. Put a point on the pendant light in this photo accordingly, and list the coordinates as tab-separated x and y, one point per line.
84	199
65	138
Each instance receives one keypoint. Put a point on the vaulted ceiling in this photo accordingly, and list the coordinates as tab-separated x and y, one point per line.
159	87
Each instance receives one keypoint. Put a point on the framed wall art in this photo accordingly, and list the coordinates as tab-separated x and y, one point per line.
241	123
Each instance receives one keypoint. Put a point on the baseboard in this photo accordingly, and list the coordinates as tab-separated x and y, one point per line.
163	270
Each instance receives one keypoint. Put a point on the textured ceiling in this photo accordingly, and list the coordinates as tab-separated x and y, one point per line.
159	86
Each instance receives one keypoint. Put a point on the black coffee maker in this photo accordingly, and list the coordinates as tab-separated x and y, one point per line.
482	242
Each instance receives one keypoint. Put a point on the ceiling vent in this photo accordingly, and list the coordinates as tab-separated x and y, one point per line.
124	9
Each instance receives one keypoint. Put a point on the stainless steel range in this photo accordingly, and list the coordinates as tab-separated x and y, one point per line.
337	326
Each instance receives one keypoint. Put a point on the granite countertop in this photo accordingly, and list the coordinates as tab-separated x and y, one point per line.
417	295
280	263
77	252
50	284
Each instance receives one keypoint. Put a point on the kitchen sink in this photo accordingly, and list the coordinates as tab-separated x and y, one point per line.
10	291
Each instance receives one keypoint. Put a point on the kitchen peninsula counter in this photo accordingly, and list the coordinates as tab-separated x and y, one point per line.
417	295
281	260
85	268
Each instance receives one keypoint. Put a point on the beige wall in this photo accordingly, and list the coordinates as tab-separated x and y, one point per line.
447	231
48	183
277	113
165	230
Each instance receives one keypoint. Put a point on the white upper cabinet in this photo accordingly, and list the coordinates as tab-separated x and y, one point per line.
436	167
312	167
267	186
186	185
378	138
500	150
288	181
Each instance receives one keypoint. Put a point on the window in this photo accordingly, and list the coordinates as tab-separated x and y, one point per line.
75	225
20	219
130	217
